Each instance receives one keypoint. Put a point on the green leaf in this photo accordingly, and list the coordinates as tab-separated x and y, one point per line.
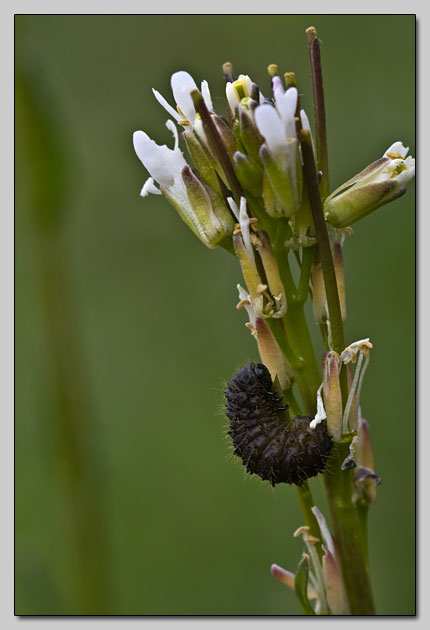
301	585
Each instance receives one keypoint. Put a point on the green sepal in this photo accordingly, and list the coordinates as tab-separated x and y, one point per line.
203	163
249	134
357	202
272	204
280	184
301	586
249	173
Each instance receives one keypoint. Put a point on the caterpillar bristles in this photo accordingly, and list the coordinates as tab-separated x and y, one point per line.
277	451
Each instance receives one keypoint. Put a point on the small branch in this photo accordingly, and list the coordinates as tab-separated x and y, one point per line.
324	248
306	504
319	108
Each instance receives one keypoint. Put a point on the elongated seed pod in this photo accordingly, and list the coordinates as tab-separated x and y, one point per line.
269	446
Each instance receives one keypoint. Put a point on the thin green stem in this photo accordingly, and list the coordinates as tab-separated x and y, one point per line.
362	513
347	532
278	331
293	405
303	288
306	504
307	376
319	108
302	366
287	276
324	248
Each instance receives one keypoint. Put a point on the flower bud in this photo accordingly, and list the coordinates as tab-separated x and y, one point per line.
198	205
250	273
340	277
280	152
365	480
248	132
226	134
332	394
271	355
380	182
249	173
271	269
319	298
208	216
203	161
333	584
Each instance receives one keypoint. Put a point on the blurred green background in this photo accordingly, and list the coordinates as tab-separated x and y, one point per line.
127	498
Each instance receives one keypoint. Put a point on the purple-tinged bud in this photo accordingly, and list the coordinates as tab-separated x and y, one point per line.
283	576
333	584
332	394
365	478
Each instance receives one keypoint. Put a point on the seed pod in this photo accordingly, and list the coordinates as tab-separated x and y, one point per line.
269	446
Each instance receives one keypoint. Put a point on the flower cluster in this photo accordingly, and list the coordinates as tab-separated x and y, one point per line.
253	187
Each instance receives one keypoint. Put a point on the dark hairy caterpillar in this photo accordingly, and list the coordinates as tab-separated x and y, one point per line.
269	446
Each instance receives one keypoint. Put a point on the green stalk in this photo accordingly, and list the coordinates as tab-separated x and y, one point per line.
319	108
347	534
303	288
348	529
324	249
304	367
306	504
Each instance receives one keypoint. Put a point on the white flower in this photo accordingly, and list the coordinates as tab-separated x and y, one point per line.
239	89
198	205
276	124
182	85
163	164
280	152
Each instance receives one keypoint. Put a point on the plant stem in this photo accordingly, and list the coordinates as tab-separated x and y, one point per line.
362	512
319	108
303	288
347	534
300	356
306	504
289	397
324	248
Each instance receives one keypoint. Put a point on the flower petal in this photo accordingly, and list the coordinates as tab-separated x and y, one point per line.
231	96
149	187
182	85
397	148
166	105
270	126
207	95
162	163
286	103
